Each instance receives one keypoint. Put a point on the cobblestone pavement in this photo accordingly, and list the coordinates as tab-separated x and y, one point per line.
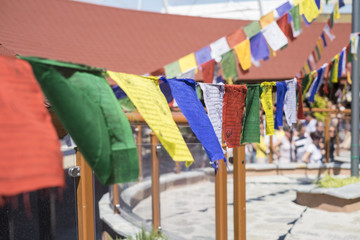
189	212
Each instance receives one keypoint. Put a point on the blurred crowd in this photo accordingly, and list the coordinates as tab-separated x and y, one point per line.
303	142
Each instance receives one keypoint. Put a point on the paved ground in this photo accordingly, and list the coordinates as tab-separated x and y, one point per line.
271	212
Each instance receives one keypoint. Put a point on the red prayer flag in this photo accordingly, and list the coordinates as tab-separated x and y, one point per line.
300	112
208	70
285	26
30	157
158	72
233	110
235	38
327	79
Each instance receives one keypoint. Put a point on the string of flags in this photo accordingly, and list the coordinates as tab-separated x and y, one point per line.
257	41
315	55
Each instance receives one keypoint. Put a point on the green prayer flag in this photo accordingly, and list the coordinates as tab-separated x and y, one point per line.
127	104
251	122
228	64
172	70
304	82
83	117
317	52
252	29
349	55
296	18
124	156
332	72
198	92
332	20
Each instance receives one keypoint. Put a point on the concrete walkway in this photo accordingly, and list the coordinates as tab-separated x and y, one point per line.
189	213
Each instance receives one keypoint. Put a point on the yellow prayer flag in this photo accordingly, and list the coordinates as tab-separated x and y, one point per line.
320	45
187	62
334	78
310	9
267	103
146	95
267	19
244	54
306	67
336	11
348	75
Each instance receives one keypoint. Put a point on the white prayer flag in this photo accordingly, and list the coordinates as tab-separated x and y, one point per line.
218	48
290	102
354	38
213	98
328	32
274	36
189	74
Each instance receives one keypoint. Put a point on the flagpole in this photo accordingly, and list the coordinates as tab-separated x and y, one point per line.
355	95
260	8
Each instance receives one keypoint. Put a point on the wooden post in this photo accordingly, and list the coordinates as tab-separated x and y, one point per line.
116	198
85	200
139	148
155	188
178	167
239	193
327	137
337	141
221	201
271	153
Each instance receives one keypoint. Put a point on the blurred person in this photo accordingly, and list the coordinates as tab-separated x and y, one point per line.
314	154
332	142
262	150
286	151
301	141
320	127
310	122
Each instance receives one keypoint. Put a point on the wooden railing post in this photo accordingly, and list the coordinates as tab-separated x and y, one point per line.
239	193
85	200
327	137
155	188
221	201
271	153
116	198
139	148
177	167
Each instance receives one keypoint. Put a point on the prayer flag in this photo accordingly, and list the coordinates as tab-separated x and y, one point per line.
30	157
318	56
229	65
235	38
354	41
146	95
329	33
244	54
318	4
251	123
158	72
299	2
266	100
300	113
290	102
284	8
341	63
316	84
187	62
304	83
252	29
336	11
334	72
323	39
341	3
208	70
284	25
320	45
296	21
172	69
281	89
218	48
310	10
274	36
190	74
213	98
124	158
267	19
233	109
184	93
312	61
86	125
203	55
259	47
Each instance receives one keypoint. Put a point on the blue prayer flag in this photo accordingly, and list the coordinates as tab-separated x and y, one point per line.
341	3
184	93
281	89
318	4
320	73
259	48
203	55
284	8
323	38
119	93
341	58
